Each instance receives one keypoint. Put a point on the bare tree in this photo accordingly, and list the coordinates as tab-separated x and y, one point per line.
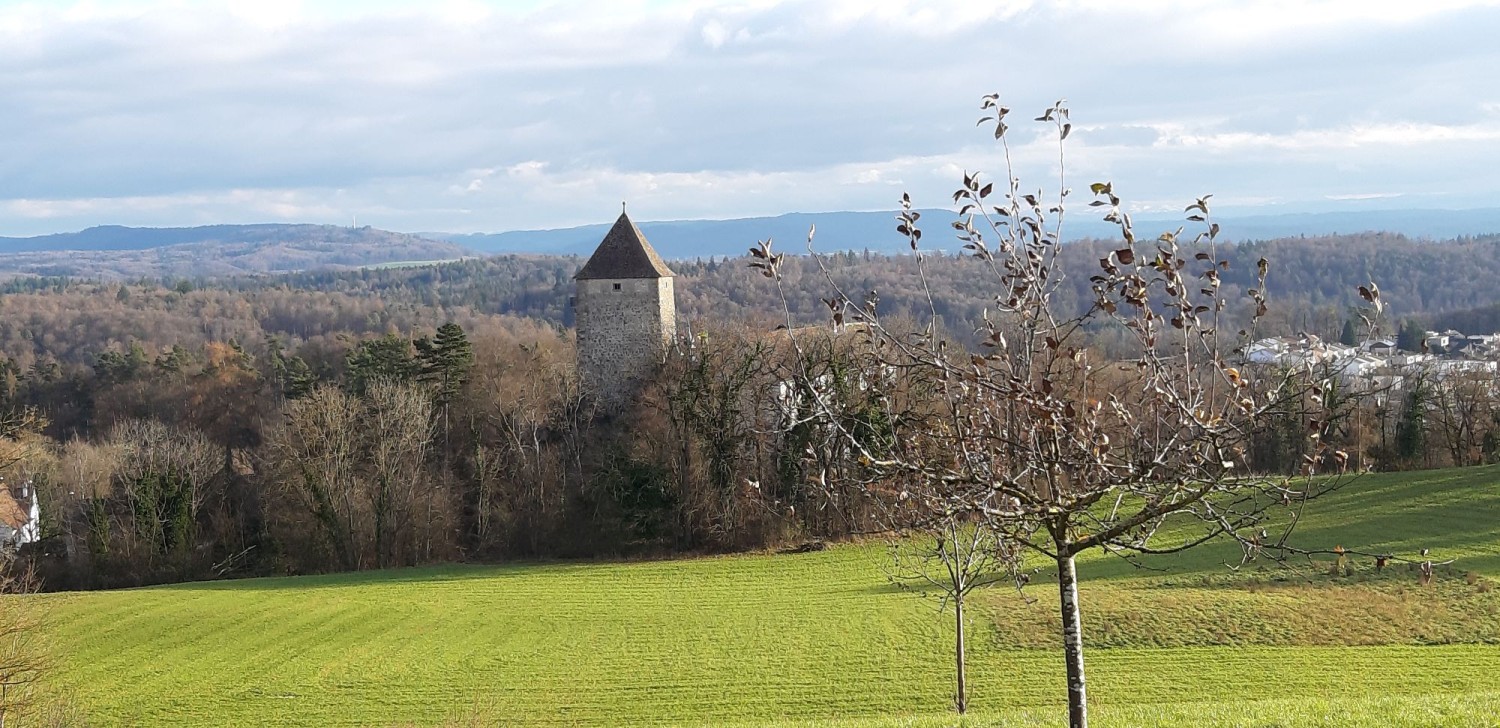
84	468
398	434
487	469
523	416
358	465
19	436
82	482
712	397
165	473
1050	448
22	658
1463	407
316	451
953	559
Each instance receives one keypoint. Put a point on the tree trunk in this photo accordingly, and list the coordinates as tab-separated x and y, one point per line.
1067	584
962	697
382	521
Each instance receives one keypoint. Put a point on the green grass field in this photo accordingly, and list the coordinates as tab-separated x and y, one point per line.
822	638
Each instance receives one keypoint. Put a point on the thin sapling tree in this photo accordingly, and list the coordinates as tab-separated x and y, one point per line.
1035	440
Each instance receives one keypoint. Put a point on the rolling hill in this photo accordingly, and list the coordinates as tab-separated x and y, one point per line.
823	638
114	252
876	230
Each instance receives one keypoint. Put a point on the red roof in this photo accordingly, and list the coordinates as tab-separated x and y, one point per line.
12	511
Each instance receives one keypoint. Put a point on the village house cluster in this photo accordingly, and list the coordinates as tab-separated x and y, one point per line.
1379	363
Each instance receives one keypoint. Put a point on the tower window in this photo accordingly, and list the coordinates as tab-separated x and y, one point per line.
617	286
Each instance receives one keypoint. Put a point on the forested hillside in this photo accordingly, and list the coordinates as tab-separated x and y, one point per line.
1312	283
317	421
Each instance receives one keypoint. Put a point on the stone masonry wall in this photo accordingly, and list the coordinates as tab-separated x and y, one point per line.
624	326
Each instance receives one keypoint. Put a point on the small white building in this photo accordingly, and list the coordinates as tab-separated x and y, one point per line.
1359	365
20	515
1281	350
1300	350
1450	367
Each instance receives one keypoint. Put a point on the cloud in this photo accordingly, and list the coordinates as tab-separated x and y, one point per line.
1382	135
529	114
242	205
714	34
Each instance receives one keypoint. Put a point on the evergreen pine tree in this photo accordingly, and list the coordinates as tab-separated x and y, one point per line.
276	360
1410	336
1411	431
445	361
388	357
300	378
1346	337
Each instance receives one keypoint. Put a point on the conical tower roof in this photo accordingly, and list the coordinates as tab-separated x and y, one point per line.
624	253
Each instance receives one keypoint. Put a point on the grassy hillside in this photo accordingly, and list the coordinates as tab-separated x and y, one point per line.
822	638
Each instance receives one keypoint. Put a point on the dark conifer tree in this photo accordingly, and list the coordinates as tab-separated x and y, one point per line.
1409	337
445	362
388	357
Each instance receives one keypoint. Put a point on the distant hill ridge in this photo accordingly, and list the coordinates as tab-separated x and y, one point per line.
876	230
119	237
697	238
113	252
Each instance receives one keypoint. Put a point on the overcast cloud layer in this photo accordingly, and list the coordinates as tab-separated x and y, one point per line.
471	116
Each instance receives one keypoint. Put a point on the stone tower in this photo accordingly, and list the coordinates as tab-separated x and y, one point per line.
626	313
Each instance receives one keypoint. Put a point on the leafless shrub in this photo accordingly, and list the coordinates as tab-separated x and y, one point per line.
1037	442
23	661
165	475
358	467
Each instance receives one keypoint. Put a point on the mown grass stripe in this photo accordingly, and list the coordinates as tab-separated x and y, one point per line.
817	637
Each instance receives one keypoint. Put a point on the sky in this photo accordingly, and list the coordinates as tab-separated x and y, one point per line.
466	116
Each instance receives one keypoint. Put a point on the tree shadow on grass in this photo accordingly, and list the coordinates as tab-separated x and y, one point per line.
437	574
1452	513
884	587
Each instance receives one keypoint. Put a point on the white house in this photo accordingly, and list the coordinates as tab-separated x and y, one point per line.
1359	370
20	515
1297	351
